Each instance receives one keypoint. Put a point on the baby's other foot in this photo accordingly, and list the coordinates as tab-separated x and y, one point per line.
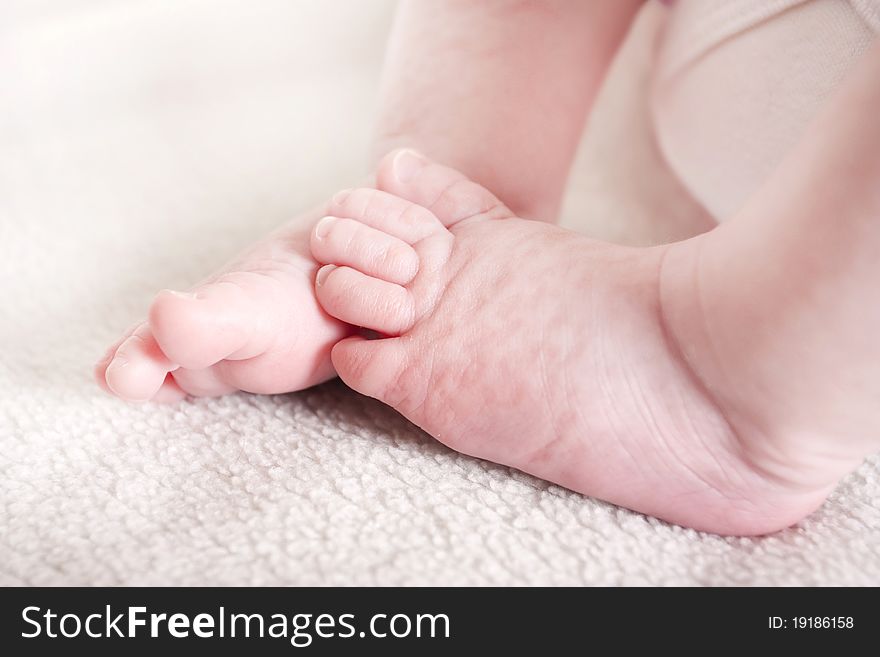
532	346
254	326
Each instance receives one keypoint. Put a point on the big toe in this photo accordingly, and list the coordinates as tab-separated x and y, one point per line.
376	368
219	320
448	193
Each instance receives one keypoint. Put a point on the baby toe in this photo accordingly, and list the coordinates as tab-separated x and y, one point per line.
361	300
372	367
342	241
138	368
217	321
100	369
450	195
385	212
170	392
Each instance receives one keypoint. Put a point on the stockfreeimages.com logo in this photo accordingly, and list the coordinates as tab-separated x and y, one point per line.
300	629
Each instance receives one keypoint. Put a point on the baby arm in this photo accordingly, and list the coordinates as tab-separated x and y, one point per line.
778	311
499	89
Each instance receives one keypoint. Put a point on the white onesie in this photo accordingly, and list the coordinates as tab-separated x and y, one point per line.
737	82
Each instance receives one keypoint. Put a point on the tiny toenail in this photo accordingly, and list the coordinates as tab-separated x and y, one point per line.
323	227
340	196
407	163
181	295
116	363
323	273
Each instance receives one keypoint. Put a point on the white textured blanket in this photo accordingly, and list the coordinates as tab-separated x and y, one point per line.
143	143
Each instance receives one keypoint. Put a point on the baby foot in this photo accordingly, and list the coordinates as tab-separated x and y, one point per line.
535	347
254	325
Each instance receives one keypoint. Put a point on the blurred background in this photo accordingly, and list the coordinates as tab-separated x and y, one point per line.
207	121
